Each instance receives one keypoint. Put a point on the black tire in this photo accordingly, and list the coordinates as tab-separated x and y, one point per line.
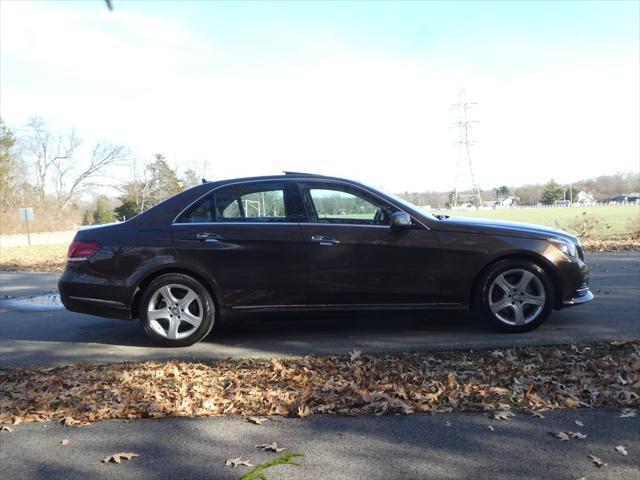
175	283
539	288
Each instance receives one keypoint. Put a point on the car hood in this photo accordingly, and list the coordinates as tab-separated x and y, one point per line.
499	227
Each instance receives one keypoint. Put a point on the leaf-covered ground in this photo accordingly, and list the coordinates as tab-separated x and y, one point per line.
535	378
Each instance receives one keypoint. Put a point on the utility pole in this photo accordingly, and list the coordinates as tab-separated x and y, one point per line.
464	168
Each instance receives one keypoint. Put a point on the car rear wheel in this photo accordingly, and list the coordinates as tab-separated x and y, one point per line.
176	310
516	295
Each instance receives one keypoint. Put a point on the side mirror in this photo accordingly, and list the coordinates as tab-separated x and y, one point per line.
400	220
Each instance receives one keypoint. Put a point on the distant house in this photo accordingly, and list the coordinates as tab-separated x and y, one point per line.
624	198
585	199
506	202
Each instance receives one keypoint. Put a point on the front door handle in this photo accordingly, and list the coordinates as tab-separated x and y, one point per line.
208	237
322	240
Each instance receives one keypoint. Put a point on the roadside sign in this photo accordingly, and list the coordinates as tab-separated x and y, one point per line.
26	214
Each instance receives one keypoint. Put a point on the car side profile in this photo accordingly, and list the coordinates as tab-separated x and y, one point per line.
311	242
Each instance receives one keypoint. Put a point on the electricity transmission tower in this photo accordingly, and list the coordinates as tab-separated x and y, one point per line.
465	188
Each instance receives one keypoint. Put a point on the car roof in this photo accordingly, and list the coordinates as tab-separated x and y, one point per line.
284	176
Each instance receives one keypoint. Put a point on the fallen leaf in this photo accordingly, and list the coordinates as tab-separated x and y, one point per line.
6	428
234	462
577	435
271	447
579	423
503	415
536	414
570	403
304	411
257	420
65	441
355	355
627	413
118	457
621	450
597	462
69	422
491	428
561	435
447	424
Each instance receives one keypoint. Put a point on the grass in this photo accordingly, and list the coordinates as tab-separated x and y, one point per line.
615	220
35	258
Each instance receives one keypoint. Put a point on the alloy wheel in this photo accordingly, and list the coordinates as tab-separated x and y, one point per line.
516	297
175	311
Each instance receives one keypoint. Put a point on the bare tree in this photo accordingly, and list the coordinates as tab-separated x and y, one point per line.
46	150
103	155
53	157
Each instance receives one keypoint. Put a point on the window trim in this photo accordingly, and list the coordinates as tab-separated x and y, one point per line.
304	217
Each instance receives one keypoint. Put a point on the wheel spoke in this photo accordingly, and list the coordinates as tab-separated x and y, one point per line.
174	324
519	317
157	314
502	283
185	301
534	299
167	295
190	318
524	281
501	304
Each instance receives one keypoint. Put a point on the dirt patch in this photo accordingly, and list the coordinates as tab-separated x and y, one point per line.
523	379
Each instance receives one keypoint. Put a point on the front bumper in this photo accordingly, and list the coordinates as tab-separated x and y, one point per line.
582	295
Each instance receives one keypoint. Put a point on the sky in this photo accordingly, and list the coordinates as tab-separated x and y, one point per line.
355	89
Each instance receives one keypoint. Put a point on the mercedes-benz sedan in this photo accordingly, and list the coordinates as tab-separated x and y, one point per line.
302	241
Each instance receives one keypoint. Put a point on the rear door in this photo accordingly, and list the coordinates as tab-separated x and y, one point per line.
247	238
355	258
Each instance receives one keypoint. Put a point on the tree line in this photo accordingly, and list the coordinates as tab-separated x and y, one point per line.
548	193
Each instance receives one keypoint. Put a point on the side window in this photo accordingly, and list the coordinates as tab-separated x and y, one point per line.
262	202
200	213
338	205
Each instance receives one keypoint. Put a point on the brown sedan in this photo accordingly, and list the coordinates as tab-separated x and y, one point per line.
301	241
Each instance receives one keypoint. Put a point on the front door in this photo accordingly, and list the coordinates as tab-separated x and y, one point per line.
355	258
246	237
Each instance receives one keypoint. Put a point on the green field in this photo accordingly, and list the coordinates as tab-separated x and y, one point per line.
614	220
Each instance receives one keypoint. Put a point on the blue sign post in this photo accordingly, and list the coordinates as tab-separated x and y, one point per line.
26	214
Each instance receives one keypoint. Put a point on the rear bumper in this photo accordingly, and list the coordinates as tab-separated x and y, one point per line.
90	305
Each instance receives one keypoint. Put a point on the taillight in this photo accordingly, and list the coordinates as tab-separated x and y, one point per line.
80	251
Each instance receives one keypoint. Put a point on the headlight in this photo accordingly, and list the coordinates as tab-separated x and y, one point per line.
566	247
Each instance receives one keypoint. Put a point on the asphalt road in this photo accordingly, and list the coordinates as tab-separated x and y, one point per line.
31	337
444	446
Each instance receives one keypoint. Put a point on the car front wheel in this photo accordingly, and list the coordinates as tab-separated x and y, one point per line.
176	310
516	295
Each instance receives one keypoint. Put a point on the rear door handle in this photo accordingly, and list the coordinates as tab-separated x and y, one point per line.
208	237
322	240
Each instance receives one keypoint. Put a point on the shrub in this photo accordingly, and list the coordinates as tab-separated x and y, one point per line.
587	225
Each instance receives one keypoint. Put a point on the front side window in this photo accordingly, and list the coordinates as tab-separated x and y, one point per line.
343	205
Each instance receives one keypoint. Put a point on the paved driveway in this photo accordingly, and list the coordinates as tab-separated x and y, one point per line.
50	337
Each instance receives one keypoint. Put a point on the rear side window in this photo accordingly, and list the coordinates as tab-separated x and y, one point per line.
251	203
258	202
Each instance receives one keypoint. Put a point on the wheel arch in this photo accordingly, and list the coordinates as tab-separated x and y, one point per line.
538	259
204	279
